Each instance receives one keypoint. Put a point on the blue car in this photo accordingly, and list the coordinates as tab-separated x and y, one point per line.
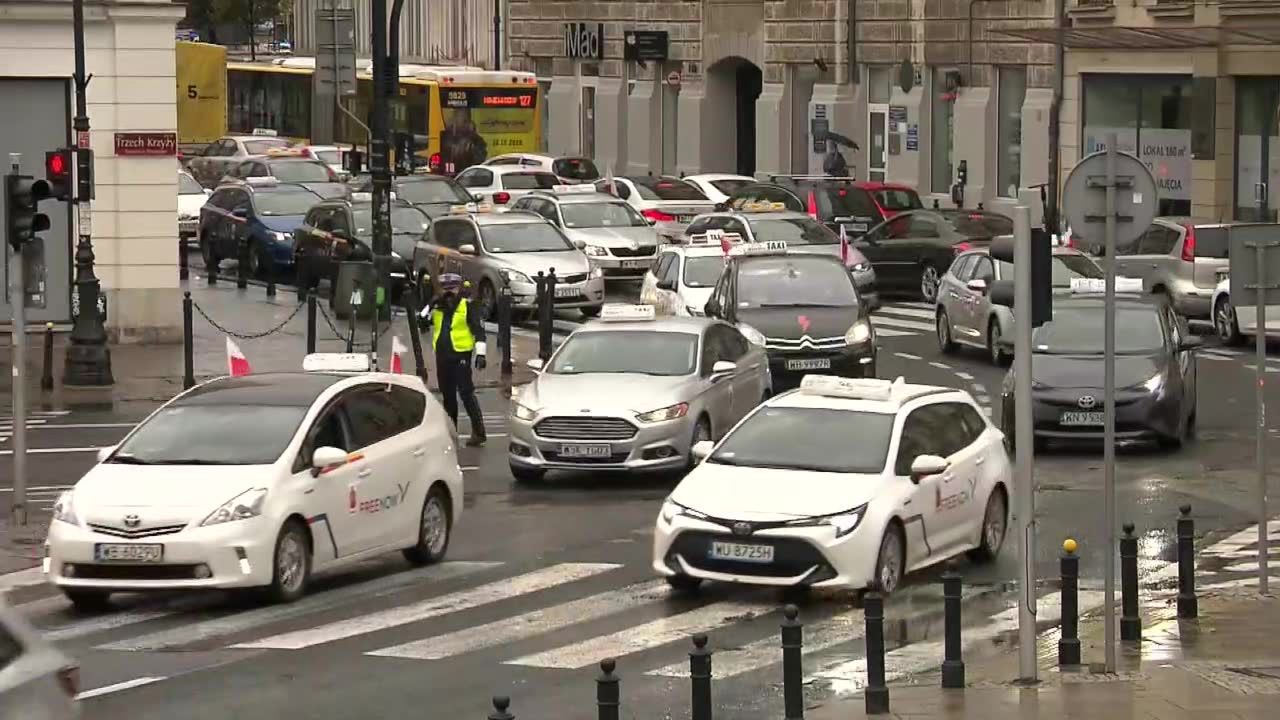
262	214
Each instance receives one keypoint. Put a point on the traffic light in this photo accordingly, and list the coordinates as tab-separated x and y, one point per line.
57	171
1002	292
22	220
84	175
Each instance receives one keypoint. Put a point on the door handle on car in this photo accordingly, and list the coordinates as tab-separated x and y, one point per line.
980	460
419	452
364	473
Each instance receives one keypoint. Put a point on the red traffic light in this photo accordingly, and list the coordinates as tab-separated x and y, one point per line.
57	165
57	170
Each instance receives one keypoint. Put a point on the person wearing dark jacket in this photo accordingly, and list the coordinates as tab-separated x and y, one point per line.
457	334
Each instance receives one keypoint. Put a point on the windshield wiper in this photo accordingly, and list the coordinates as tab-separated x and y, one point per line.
126	459
186	461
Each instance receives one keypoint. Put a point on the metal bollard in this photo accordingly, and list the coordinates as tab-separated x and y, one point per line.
213	273
543	309
242	264
46	376
547	331
700	678
1069	572
504	327
877	693
1188	606
188	344
311	324
607	694
792	666
415	334
184	269
271	283
500	705
1130	623
952	662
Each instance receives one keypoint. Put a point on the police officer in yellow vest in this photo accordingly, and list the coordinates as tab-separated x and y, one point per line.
456	333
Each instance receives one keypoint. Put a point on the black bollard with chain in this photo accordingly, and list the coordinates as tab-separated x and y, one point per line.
504	327
188	343
792	664
608	695
1188	606
46	376
877	693
242	263
542	306
952	661
700	679
1069	572
271	283
311	323
500	705
1130	622
184	266
212	268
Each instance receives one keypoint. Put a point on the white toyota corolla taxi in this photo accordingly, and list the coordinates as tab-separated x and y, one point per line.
845	483
259	481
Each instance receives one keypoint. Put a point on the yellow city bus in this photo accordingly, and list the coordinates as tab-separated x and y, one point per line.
202	92
465	114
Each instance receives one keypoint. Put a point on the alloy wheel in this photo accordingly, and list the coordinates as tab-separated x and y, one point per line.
929	283
435	525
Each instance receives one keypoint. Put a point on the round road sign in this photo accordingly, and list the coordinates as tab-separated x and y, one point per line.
673	78
1084	199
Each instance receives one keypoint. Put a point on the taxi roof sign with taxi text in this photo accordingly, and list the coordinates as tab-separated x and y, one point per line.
620	312
850	388
1090	286
769	247
757	207
581	189
336	362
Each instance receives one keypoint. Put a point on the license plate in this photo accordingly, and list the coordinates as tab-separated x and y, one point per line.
809	364
568	291
857	227
741	552
632	264
585	451
1075	417
118	552
685	219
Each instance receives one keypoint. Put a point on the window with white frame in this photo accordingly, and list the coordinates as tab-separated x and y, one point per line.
1011	92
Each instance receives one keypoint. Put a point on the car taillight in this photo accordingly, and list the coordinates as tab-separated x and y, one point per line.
501	198
812	205
658	215
1189	245
962	246
69	680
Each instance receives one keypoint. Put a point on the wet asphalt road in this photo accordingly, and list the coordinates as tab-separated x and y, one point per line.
541	583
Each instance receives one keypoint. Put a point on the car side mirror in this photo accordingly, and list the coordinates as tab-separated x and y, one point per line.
534	364
666	285
467	249
579	243
925	465
701	450
977	285
1190	343
722	369
326	457
711	309
104	453
341	235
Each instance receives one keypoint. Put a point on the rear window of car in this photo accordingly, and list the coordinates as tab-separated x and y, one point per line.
898	199
529	181
575	169
668	189
1211	242
729	187
980	225
850	202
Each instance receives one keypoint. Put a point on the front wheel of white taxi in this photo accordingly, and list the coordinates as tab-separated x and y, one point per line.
890	562
290	564
434	529
994	526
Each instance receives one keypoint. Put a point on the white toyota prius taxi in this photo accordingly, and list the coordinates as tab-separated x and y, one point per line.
259	481
843	483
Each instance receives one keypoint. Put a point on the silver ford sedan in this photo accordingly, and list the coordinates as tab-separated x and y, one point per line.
634	392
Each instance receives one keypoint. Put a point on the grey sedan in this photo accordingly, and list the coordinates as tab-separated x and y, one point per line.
633	393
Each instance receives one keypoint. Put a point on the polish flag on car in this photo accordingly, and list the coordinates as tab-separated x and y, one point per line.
237	363
397	354
844	245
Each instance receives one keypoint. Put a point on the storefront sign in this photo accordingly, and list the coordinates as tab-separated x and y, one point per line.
1167	153
146	144
584	41
645	45
913	137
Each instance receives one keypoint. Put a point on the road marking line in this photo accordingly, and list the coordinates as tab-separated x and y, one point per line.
433	607
81	426
887	332
40	487
240	622
645	636
940	366
9	424
911	304
905	311
90	626
126	685
469	468
54	451
964	375
522	627
21	578
490	435
908	356
879	320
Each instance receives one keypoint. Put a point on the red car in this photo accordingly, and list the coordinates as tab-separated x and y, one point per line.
892	198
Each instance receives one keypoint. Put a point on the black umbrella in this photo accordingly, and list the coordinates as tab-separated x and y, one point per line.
838	139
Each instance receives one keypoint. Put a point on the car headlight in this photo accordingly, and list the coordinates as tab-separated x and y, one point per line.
281	237
594	250
843	522
523	413
64	509
672	509
753	336
860	267
594	272
515	276
397	256
247	504
859	333
1154	383
671	412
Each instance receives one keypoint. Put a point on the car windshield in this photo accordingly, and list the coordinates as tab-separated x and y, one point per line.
794	281
404	221
793	231
1065	267
702	272
601	214
264	145
524	237
575	169
625	351
897	199
816	439
667	189
1079	331
431	192
212	435
329	157
302	171
529	181
187	185
730	186
980	225
284	203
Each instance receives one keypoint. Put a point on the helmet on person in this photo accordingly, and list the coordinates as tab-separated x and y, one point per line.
450	281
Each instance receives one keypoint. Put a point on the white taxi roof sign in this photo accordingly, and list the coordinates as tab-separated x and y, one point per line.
769	247
265	132
362	197
261	181
336	362
583	189
1090	286
470	208
622	312
850	388
763	207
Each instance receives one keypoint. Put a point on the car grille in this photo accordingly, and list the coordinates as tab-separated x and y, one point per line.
570	279
137	533
585	428
642	251
805	343
791	557
135	572
616	458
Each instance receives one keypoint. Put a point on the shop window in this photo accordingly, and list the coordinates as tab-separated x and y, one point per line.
879	83
1257	149
1151	117
1011	92
940	131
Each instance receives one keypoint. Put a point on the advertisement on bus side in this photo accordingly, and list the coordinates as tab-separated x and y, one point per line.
482	122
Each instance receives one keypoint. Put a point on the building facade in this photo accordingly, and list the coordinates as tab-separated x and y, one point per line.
130	55
432	32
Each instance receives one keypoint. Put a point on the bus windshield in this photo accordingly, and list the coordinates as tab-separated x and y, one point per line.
482	121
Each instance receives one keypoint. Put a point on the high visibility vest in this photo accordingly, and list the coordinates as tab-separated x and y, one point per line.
459	333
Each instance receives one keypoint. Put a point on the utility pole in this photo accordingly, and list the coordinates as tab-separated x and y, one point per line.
88	360
1052	213
379	163
497	34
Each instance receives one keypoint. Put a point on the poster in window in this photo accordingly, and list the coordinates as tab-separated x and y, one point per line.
480	122
1167	153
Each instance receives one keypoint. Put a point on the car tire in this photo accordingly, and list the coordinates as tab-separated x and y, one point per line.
684	583
995	527
87	601
526	476
929	281
208	255
290	564
1224	322
943	327
701	431
435	525
591	311
487	298
257	267
998	356
891	560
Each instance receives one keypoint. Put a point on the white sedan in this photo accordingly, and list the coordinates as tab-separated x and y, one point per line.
1233	324
719	186
259	481
843	483
501	184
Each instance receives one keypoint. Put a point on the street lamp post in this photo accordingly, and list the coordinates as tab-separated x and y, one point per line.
88	361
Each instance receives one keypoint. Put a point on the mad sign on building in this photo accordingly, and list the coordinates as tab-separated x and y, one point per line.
584	41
